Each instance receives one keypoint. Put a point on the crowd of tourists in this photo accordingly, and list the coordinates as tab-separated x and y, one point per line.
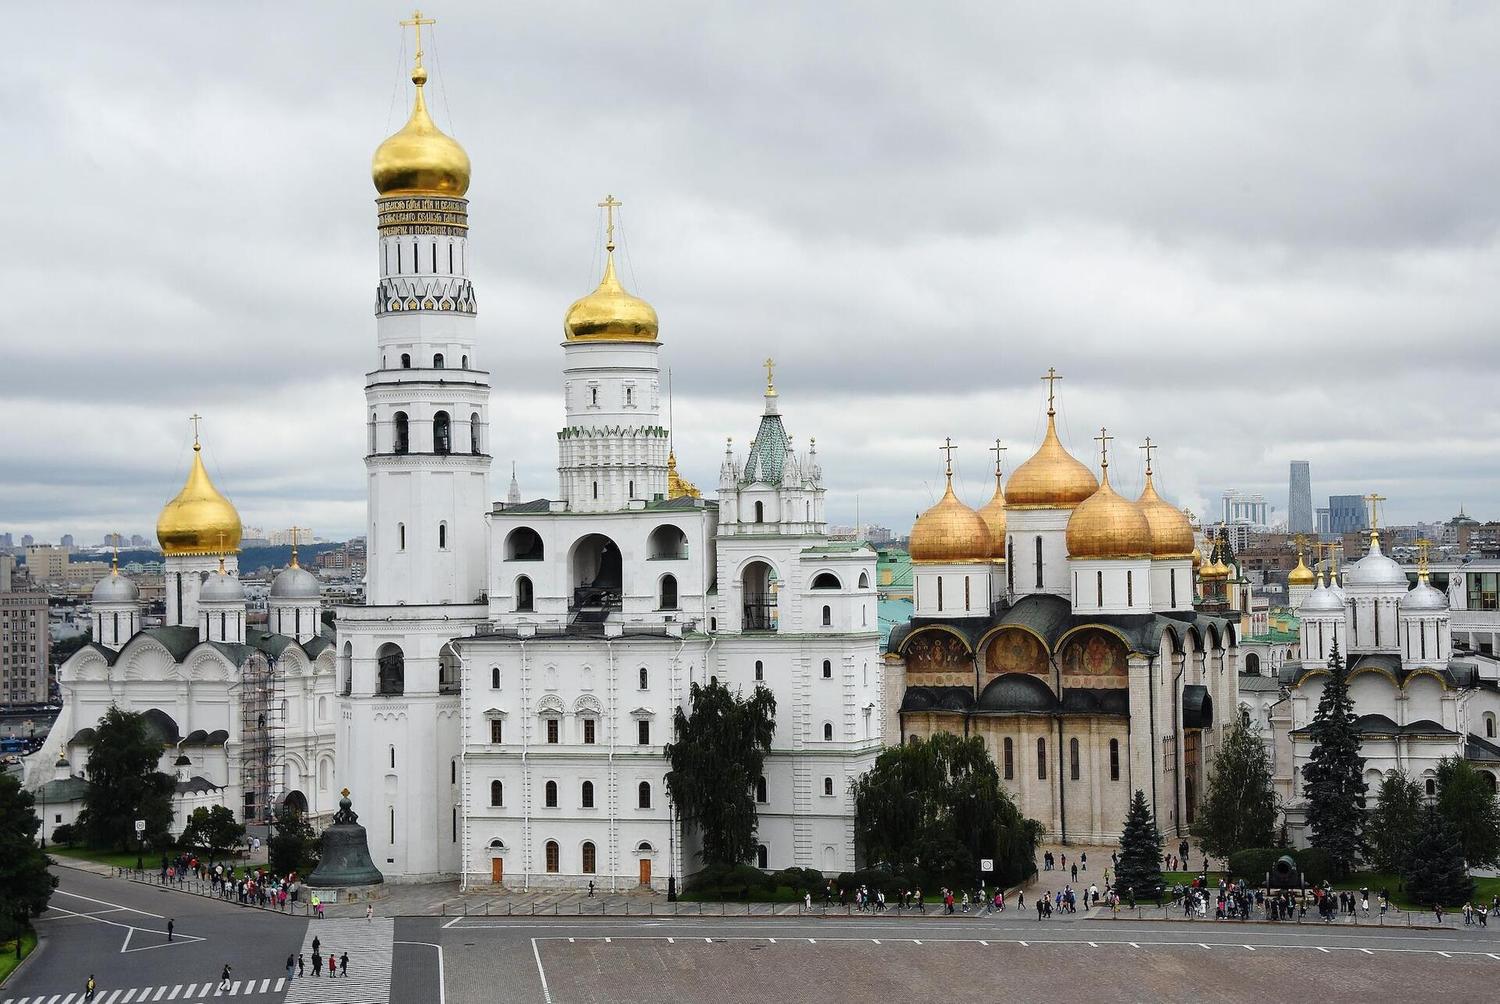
249	885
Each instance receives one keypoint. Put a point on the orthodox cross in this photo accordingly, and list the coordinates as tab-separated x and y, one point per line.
195	418
998	451
947	448
1148	446
1051	379
1374	501
609	205
294	530
770	365
416	21
1103	439
1423	544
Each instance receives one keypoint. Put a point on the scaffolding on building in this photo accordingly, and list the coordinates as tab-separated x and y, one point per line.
263	738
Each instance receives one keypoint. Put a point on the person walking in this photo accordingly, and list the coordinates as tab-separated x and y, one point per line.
171	926
333	966
344	964
317	963
369	912
1083	860
224	978
301	965
291	966
317	946
89	988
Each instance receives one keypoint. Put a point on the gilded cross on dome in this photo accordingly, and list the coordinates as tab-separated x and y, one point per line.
770	365
947	449
1148	446
1103	439
609	205
294	530
1374	501
1051	379
999	452
416	21
195	418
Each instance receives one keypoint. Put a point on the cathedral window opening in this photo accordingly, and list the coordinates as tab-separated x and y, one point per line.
588	857
588	732
442	440
667	543
596	490
392	663
494	677
437	361
552	728
401	443
967	600
940	593
1172	587
826	580
1009	759
1039	561
1431	787
450	257
827	616
400	536
629	397
1010	564
346	670
392	822
630	488
1073	759
434	257
399	264
474	447
497	793
525	598
550	794
827	669
1114	759
524	544
406	360
1099	588
1041	759
393	757
452	771
762	856
643	733
643	795
373	427
1129	588
828	786
497	733
463	362
552	857
760	790
586	795
1422	635
828	732
454	838
1489	725
322	709
760	512
644	678
443	536
668	593
758	588
593	397
760	671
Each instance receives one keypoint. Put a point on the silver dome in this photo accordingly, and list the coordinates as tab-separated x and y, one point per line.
1375	569
116	588
1423	598
296	583
1321	600
221	587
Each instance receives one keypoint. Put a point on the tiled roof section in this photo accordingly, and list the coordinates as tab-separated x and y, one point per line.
1256	684
766	461
68	789
667	505
197	784
1381	725
937	699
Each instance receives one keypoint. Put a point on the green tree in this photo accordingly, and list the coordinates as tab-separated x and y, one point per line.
1394	824
934	808
1436	872
1140	851
124	785
1239	809
717	755
1333	780
25	883
214	830
293	844
1466	801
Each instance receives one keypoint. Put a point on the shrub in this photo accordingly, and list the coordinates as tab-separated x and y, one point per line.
65	835
1252	863
808	880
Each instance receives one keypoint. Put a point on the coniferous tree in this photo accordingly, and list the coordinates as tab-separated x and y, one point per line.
1395	822
25	883
125	785
1466	802
1333	780
717	755
1140	852
1239	809
1436	872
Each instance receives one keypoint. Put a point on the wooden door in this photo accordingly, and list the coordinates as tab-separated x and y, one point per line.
645	871
497	869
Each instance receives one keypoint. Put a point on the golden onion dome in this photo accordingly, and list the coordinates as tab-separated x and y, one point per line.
1197	558
609	313
1107	525
950	533
1171	533
420	159
993	514
1052	478
1301	575
1214	570
199	520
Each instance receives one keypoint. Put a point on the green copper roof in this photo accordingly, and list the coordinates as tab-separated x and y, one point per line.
766	461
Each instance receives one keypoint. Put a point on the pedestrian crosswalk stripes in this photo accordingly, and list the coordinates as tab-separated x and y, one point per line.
169	992
369	944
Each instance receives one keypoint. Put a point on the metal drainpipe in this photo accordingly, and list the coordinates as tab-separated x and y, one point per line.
1062	796
1177	742
1151	740
463	761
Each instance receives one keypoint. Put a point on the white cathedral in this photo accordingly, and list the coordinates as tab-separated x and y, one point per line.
499	704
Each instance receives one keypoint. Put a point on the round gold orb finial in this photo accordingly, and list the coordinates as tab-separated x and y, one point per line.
419	75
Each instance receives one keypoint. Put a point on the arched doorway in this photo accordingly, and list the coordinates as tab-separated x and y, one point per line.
497	861
758	587
597	573
296	801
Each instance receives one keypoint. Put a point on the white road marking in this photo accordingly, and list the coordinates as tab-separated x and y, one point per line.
914	941
874	941
986	944
175	991
1093	944
1134	945
1250	948
1321	949
1023	944
452	922
670	941
102	902
546	993
1445	955
442	991
1367	951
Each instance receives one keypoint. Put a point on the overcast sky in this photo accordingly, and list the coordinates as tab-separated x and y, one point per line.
1255	232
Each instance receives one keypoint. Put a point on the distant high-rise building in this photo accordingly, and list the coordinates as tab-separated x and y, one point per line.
67	542
1243	507
1299	513
23	657
136	540
7	540
1347	514
1323	520
27	540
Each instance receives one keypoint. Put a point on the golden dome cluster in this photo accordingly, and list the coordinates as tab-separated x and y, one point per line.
993	514
420	159
950	533
199	520
1108	525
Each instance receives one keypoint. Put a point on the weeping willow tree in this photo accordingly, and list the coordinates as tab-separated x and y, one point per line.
934	809
717	754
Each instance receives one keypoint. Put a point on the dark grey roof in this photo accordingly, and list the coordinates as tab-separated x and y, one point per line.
1481	750
1197	707
197	784
937	699
83	737
162	726
527	508
1257	684
1455	674
1096	701
666	505
1382	725
1017	693
68	789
